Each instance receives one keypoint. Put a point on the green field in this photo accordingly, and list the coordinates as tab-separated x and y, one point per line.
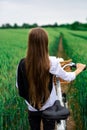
13	44
75	45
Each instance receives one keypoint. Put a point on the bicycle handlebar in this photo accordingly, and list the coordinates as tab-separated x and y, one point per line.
73	65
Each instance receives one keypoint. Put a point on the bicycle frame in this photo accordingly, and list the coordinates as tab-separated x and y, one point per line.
62	124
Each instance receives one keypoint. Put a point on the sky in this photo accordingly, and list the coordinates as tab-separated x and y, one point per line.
42	12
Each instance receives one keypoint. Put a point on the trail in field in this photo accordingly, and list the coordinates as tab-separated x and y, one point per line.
61	51
65	87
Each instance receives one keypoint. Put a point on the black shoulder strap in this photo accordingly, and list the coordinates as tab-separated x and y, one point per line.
50	83
23	86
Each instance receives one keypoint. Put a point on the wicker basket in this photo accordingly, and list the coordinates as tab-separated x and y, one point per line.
68	69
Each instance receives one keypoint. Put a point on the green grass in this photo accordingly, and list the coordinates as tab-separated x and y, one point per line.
53	35
75	45
12	47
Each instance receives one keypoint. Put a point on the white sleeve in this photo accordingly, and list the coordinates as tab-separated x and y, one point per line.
56	69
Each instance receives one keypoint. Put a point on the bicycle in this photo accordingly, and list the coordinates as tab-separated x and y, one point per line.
59	111
62	125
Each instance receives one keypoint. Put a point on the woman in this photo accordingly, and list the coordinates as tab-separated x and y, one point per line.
34	78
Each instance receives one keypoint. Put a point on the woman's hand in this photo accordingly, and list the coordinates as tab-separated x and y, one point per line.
80	67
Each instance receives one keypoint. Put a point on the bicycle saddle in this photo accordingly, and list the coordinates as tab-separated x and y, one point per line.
56	112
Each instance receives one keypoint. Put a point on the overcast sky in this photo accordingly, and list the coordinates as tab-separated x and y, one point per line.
42	11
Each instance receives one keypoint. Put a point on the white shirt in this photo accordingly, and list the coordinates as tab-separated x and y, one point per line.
55	69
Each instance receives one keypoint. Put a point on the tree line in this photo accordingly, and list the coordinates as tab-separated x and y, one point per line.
74	26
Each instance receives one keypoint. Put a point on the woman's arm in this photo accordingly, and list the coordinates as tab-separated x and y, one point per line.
56	69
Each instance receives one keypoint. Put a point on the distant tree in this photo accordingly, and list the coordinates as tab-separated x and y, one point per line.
15	25
79	26
34	25
75	25
55	24
65	26
25	25
7	25
50	25
3	26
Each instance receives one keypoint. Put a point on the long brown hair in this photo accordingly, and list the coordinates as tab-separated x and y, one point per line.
37	66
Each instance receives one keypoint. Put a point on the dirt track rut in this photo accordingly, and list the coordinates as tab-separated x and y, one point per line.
61	53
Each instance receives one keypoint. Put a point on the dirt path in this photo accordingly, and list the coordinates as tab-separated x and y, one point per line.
61	53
